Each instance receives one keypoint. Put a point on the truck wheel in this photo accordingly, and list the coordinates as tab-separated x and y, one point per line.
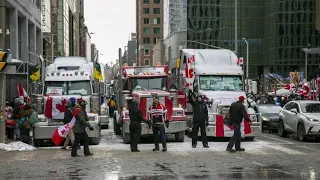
38	142
179	136
126	137
116	127
94	140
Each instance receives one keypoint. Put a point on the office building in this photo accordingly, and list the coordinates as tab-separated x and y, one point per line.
149	28
131	50
276	31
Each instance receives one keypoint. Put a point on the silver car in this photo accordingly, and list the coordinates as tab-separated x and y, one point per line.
300	117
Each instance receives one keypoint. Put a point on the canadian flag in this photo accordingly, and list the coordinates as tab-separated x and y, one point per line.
189	70
22	92
223	130
61	132
55	107
240	61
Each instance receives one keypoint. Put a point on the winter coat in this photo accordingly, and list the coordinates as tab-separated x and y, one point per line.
238	112
81	121
68	115
200	110
136	116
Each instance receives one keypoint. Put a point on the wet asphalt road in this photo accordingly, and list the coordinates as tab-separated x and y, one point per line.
267	157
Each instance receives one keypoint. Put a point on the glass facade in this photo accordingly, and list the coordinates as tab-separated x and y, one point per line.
275	30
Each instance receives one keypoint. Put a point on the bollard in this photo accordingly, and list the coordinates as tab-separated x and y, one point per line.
2	129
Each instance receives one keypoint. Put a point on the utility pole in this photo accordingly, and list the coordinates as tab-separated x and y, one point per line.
236	26
2	75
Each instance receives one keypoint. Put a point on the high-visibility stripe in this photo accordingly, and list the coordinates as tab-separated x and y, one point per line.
3	56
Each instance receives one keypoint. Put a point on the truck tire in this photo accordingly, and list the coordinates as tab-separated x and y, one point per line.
126	137
38	142
116	126
179	136
94	141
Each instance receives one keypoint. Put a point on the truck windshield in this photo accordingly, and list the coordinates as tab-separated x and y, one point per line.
82	88
221	83
142	84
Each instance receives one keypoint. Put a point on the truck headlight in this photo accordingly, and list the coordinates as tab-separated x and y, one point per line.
266	119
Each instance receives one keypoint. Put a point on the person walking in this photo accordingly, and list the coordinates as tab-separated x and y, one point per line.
112	105
237	113
79	130
136	118
68	115
200	119
158	117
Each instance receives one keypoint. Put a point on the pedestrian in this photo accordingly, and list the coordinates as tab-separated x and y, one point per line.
79	130
200	119
68	115
158	117
284	101
112	105
17	112
30	118
136	118
237	113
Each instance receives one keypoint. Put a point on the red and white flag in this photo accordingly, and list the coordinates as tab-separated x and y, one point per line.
189	70
23	93
223	130
55	107
61	132
240	61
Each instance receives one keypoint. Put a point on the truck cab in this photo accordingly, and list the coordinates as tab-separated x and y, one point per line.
220	80
141	84
67	77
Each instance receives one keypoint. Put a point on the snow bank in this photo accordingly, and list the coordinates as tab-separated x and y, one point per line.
16	146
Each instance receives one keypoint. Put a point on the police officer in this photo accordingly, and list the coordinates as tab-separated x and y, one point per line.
136	118
200	119
158	118
237	112
79	130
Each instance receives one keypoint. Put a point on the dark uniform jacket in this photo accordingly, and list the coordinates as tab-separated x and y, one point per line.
200	110
81	122
238	112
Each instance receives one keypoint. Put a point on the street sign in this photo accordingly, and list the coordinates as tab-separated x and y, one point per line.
3	59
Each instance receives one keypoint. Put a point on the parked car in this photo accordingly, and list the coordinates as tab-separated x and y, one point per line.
269	117
301	117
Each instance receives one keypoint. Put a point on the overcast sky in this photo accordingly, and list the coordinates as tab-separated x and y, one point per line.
112	21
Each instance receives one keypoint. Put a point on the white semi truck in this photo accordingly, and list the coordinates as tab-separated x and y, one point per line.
216	75
67	77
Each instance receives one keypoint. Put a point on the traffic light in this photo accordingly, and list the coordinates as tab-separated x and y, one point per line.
3	59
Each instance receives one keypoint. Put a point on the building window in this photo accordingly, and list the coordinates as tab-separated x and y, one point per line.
156	10
146	40
146	52
147	62
146	21
146	11
146	30
156	1
156	21
156	30
155	40
145	1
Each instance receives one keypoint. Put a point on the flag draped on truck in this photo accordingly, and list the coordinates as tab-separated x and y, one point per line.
224	130
35	73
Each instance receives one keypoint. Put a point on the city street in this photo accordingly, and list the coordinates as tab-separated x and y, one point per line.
267	157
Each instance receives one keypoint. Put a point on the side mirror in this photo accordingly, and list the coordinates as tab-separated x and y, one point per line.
294	110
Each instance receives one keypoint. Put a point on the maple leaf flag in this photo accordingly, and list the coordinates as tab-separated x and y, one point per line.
23	93
240	61
61	132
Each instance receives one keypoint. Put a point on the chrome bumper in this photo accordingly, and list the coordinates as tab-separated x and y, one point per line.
174	127
46	132
104	119
211	131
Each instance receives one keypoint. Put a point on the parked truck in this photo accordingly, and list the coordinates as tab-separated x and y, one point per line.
142	84
216	75
67	77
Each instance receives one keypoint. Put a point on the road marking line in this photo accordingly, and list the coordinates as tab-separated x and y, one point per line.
305	147
286	150
288	142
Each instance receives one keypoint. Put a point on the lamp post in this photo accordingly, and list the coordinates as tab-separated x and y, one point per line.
236	26
247	64
306	63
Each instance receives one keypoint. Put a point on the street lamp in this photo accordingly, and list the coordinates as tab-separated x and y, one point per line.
247	64
236	26
306	50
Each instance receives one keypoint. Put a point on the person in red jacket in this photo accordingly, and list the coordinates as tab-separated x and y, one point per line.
157	113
